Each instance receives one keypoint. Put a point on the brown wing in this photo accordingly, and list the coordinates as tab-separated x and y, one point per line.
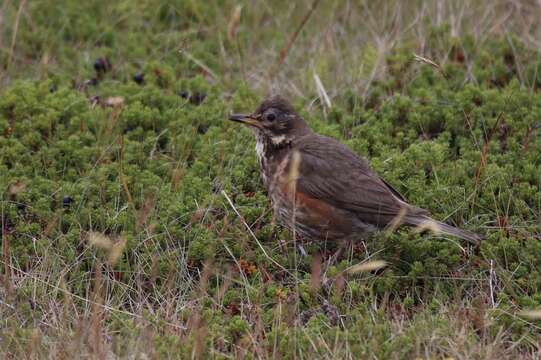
330	172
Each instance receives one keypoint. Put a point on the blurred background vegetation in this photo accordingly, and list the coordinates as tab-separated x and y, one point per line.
120	178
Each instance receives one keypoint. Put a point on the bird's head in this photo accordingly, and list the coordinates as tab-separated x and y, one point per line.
274	119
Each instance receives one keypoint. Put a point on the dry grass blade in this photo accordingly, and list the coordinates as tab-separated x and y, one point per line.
51	225
176	178
234	22
527	138
321	91
484	151
366	267
293	174
199	63
15	31
100	240
78	297
428	225
225	286
144	212
315	274
292	177
97	314
422	59
339	284
7	305
16	187
34	343
114	101
116	250
114	247
252	234
7	259
427	61
534	314
397	220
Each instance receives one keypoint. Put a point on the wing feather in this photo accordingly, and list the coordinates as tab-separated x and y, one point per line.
330	172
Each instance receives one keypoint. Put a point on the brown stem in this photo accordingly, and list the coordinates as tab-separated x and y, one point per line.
484	151
293	37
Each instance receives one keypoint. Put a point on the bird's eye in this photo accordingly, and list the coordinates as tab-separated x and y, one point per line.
271	117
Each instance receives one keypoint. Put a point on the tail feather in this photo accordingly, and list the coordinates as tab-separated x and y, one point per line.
427	223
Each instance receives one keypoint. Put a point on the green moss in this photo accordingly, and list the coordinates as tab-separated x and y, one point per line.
153	169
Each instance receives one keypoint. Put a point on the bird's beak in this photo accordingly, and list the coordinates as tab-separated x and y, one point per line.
245	119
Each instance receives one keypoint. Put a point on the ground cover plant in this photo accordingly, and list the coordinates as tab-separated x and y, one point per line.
134	223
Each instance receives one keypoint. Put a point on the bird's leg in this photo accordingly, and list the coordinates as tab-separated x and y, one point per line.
341	247
299	243
332	259
302	250
326	281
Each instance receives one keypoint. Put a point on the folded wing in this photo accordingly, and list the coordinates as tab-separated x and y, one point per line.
330	172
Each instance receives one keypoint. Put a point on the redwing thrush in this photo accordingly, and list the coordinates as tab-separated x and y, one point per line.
320	187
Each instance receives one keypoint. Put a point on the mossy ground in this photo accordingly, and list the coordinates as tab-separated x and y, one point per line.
150	164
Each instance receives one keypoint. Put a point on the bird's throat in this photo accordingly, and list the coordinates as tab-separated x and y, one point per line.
267	149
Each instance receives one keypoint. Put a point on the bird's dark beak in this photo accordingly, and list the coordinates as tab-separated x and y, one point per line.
245	119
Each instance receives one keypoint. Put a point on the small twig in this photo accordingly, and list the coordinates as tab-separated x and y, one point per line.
427	61
239	267
7	258
490	283
293	37
527	138
151	155
484	151
321	91
315	273
96	316
15	31
122	179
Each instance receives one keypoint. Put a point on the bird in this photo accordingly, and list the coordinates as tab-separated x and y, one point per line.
321	189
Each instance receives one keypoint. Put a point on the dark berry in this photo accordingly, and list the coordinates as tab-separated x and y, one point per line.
509	59
184	94
202	129
139	78
102	65
66	201
197	98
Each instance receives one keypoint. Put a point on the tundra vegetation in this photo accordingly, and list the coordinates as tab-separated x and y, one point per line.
134	223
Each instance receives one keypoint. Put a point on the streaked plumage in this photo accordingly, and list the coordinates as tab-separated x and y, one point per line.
335	194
